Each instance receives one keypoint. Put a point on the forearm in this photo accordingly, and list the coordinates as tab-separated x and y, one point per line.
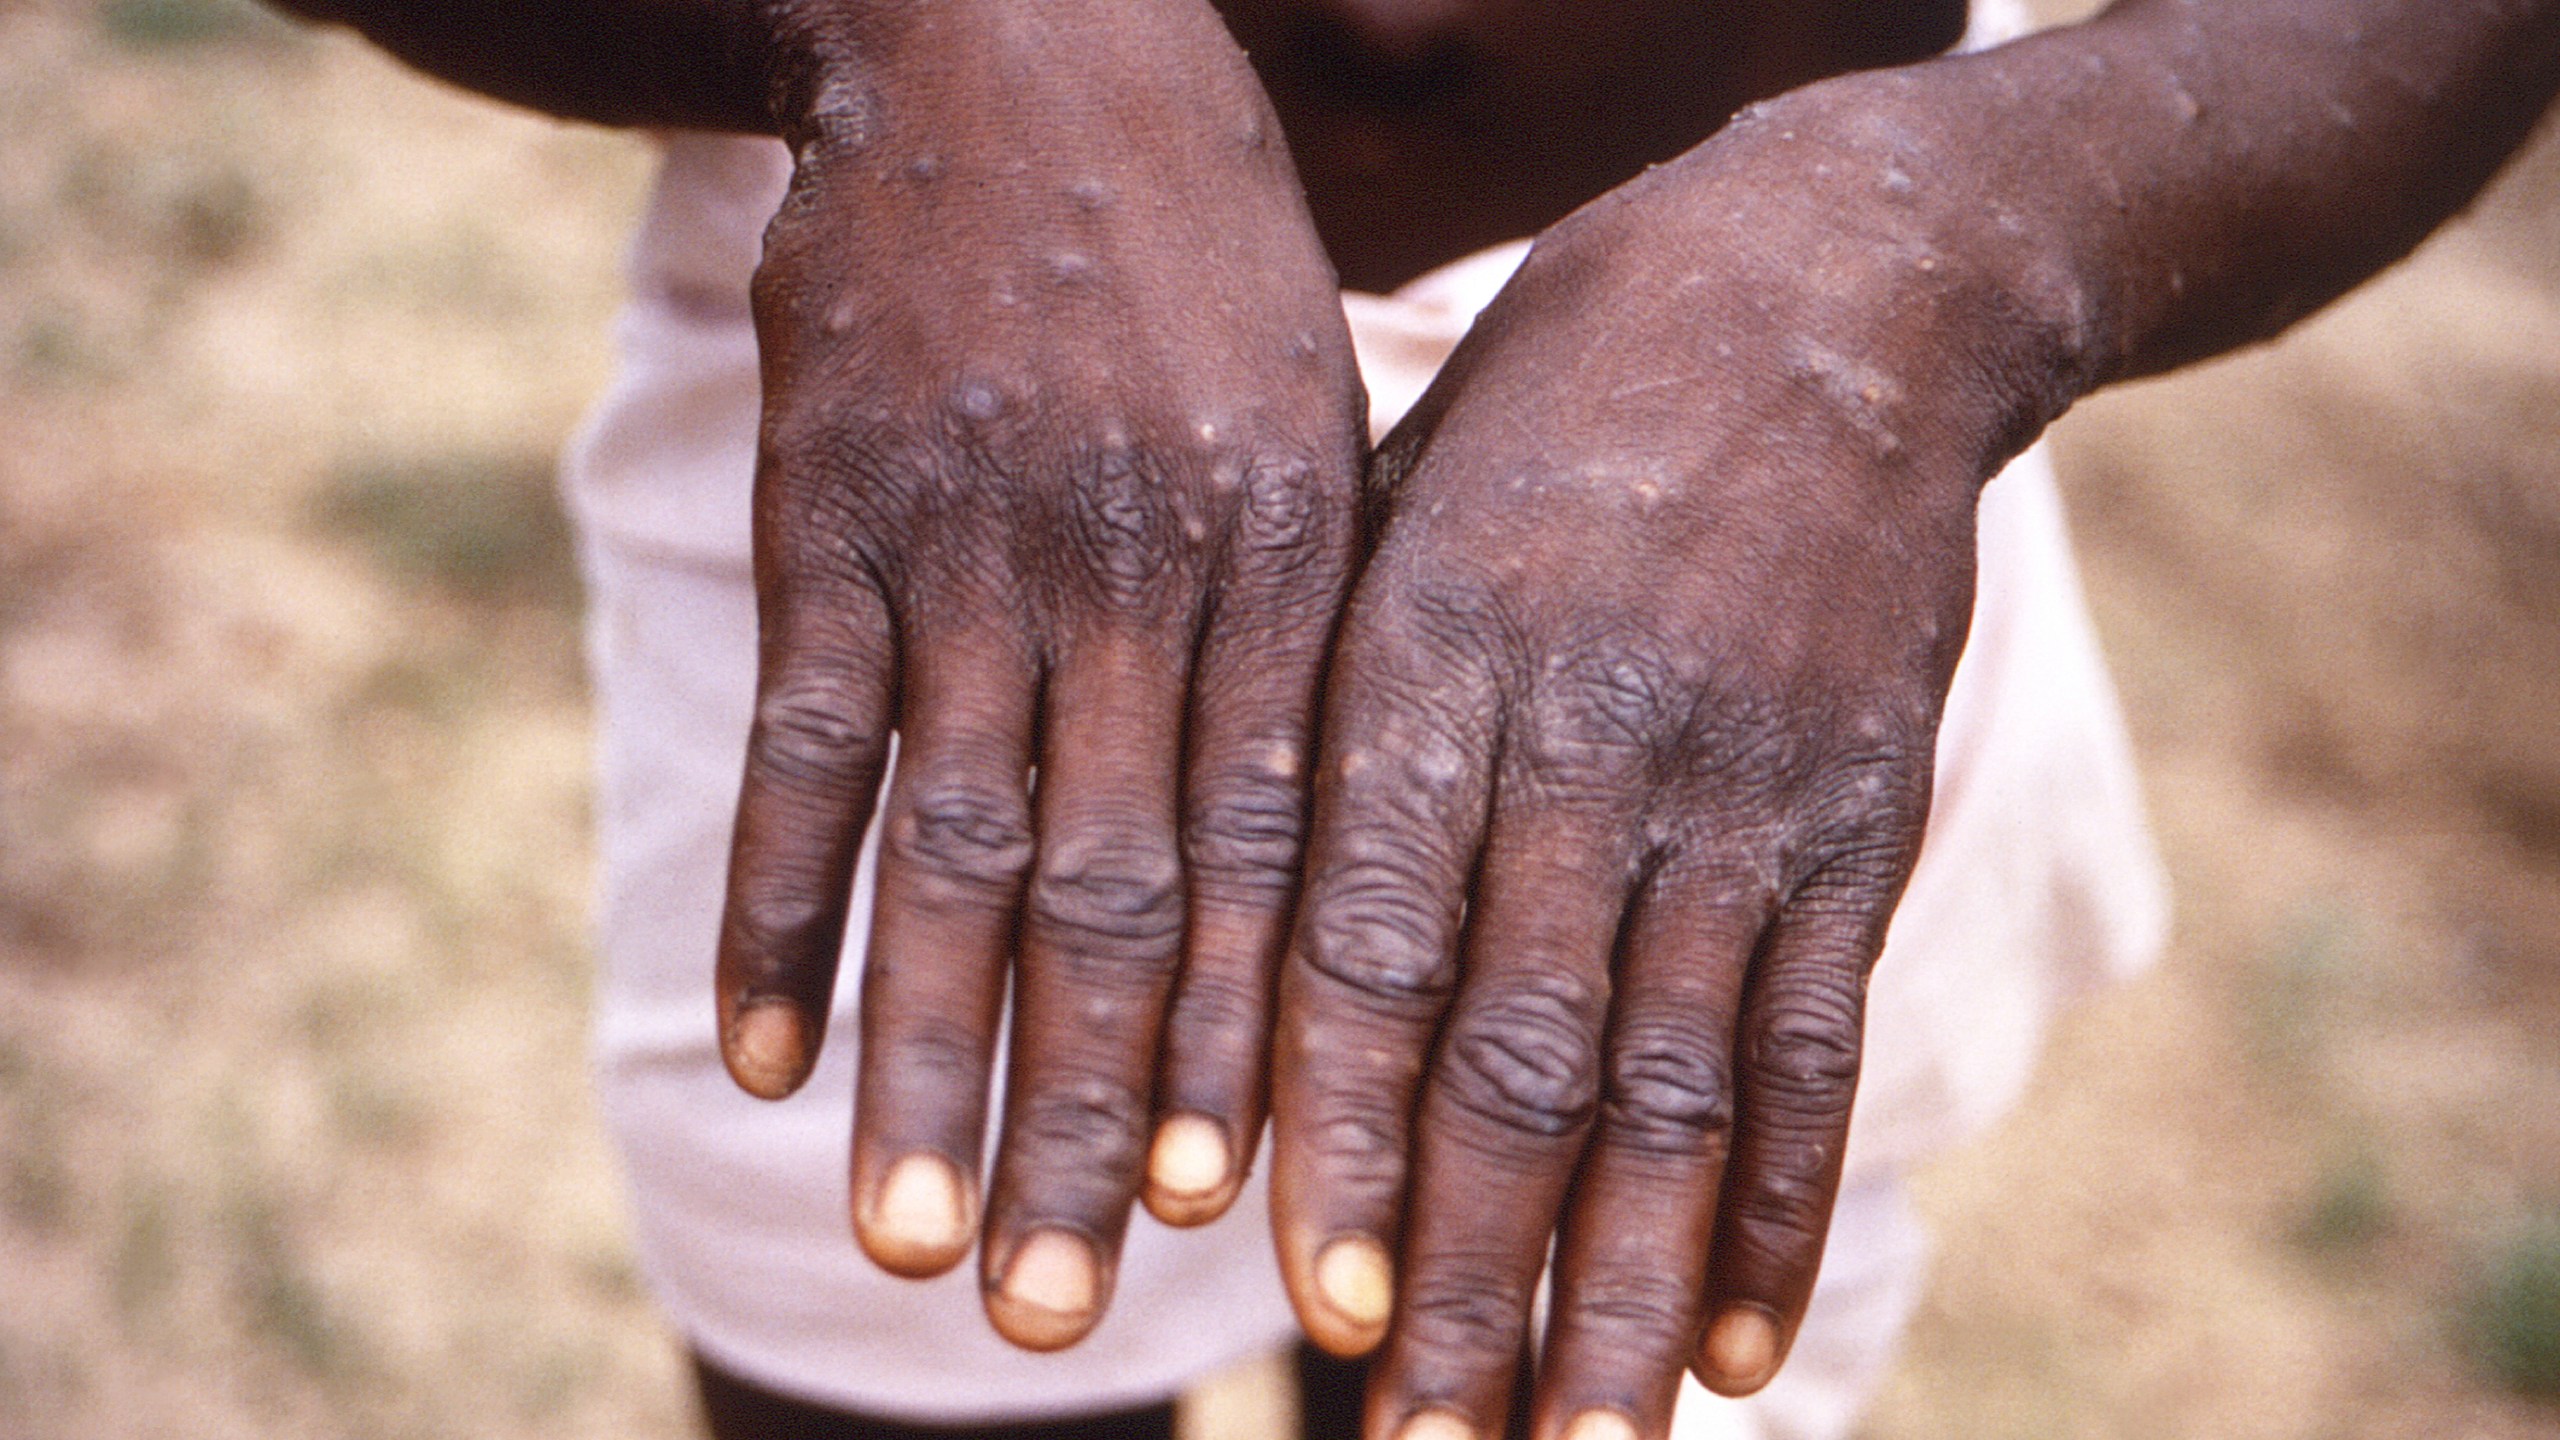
2172	180
800	67
700	64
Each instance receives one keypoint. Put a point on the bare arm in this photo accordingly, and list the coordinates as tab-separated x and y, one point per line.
699	64
2189	177
1630	725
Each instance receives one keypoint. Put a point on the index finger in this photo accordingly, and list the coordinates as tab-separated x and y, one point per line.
1400	813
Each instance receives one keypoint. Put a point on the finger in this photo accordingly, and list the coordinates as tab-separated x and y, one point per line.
1244	820
1400	809
1102	927
1505	1114
814	756
955	843
1801	1029
1631	1264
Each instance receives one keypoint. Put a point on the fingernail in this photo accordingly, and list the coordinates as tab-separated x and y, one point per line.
1436	1425
920	1216
1353	1276
1050	1290
1190	1158
767	1049
1600	1425
1742	1347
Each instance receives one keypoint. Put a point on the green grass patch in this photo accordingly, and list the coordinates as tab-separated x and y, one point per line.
484	528
176	24
2350	1205
2514	1312
2301	983
283	1301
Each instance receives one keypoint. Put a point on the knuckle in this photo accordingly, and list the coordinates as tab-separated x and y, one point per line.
933	1059
1091	1120
1880	797
1644	1309
1378	931
1359	1145
965	832
1620	693
1464	1307
1217	1009
1804	1053
781	919
1113	895
1285	509
1451	614
1246	827
818	731
1787	1207
1670	1085
1119	524
1524	1056
1601	714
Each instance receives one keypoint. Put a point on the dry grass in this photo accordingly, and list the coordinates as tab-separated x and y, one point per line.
293	1131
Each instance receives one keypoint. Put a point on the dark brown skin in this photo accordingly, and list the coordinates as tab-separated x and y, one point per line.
1627	732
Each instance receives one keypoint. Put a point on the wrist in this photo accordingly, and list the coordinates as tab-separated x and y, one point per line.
1984	268
802	59
843	69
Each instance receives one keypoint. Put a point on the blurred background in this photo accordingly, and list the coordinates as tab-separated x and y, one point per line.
294	1133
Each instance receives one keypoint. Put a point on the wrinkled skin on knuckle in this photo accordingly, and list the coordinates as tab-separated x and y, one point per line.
1119	527
1376	926
1218	1011
1521	1055
1625	1312
1741	741
1083	1132
779	916
960	832
1670	1086
1243	834
1781	1214
1444	614
844	495
1805	1047
1594	725
1288	515
813	730
1463	1311
1358	1144
1867	816
930	1060
1112	897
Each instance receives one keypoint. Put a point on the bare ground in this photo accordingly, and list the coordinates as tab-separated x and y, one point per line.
294	1138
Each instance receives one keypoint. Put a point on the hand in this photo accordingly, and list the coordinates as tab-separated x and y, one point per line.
1626	758
1060	446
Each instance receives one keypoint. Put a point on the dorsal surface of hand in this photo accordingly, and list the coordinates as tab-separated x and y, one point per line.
1060	445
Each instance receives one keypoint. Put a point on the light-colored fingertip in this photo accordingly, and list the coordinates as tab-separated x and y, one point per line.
1601	1425
1741	1351
920	1221
1357	1283
1437	1425
1051	1293
1189	1168
767	1049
